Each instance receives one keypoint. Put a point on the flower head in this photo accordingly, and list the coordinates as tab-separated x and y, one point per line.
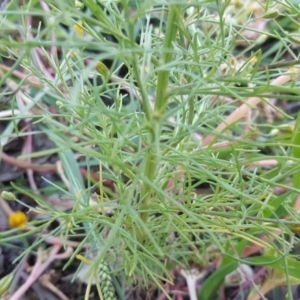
17	220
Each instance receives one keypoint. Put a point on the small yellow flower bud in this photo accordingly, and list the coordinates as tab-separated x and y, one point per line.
156	115
79	4
237	4
69	226
296	229
72	54
17	220
232	61
8	196
274	132
253	59
59	104
102	69
5	283
78	28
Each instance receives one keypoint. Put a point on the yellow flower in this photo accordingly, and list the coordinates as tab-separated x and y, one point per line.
17	220
78	28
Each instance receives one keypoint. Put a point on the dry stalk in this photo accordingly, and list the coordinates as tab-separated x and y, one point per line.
245	108
40	266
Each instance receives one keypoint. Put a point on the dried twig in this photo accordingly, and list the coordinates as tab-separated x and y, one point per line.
40	266
243	110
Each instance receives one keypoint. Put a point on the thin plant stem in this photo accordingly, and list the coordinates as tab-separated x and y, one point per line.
167	54
159	108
